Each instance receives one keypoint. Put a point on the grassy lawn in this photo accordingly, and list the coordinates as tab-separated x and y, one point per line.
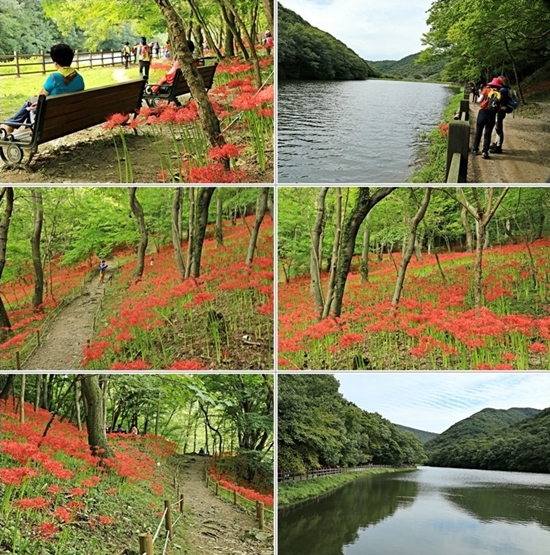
15	91
292	493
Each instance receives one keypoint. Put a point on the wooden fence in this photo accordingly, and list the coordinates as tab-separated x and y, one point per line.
311	474
27	64
147	540
458	143
257	508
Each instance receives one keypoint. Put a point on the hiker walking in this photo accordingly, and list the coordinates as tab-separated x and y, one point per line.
491	101
144	59
102	268
508	105
126	52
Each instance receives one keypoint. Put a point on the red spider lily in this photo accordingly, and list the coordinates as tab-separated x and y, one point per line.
16	476
111	491
116	120
132	365
47	529
536	347
63	515
77	492
215	173
187	365
106	520
54	488
227	151
34	503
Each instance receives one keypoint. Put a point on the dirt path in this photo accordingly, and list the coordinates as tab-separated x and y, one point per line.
526	150
217	527
61	346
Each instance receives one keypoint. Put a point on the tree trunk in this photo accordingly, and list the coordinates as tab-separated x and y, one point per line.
364	204
190	232
329	297
201	221
478	278
5	393
22	399
95	422
6	192
315	251
251	42
178	40
176	231
38	209
38	383
208	35
467	229
219	219
410	246
228	43
77	405
365	254
261	207
137	210
269	11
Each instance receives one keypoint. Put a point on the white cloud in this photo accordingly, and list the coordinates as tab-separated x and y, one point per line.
375	29
434	401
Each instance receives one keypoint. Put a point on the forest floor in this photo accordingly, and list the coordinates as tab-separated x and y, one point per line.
62	345
526	149
217	527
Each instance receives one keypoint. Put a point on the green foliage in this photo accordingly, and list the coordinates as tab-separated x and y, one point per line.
515	439
318	427
422	435
411	67
305	52
482	38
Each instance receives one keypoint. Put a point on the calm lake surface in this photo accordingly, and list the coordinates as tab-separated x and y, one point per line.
354	131
431	511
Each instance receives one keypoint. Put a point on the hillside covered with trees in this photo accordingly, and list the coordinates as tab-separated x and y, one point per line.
515	439
479	39
305	52
318	427
422	435
409	68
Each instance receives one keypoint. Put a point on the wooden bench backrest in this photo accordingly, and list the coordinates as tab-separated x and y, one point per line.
207	74
67	113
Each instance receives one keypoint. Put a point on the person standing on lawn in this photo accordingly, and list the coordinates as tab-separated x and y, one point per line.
64	79
144	59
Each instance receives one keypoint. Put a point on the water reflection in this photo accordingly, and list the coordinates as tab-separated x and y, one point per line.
322	527
432	511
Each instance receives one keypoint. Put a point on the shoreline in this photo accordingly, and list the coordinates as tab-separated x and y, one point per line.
295	493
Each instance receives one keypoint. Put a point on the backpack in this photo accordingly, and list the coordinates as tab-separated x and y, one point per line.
512	102
493	101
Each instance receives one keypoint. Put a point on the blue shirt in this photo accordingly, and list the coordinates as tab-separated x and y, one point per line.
56	85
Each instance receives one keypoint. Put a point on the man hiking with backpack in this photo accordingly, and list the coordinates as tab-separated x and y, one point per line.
507	106
491	103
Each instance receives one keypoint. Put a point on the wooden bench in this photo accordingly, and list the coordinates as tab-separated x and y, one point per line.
63	114
170	93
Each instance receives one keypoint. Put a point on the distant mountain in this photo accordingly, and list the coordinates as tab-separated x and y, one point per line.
407	68
492	439
420	434
305	52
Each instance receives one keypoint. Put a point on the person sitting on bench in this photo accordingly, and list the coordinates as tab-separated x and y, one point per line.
64	80
163	86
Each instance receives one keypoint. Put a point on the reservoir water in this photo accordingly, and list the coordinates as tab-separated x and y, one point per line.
430	511
354	131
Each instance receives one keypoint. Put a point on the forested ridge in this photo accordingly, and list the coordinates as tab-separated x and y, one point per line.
422	435
515	439
318	427
305	52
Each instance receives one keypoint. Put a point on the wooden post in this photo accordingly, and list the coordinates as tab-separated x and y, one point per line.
102	64
465	109
458	141
207	480
217	487
234	497
177	491
168	518
17	360
16	60
261	516
77	58
38	337
90	59
145	544
257	510
182	502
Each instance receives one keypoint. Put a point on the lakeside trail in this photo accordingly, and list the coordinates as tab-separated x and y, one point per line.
216	526
526	150
61	346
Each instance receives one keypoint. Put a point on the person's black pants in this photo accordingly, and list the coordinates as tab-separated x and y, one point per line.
485	121
499	128
144	68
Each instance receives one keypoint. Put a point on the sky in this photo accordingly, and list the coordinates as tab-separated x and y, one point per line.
433	401
374	29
